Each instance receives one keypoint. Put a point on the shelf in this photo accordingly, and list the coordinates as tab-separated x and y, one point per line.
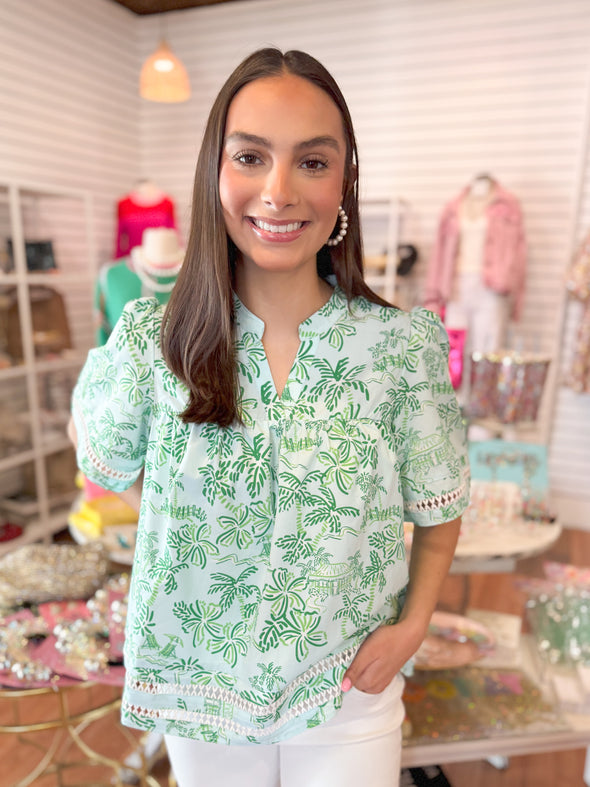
54	445
37	531
24	511
44	366
49	447
16	460
43	279
39	388
381	220
58	364
375	279
13	372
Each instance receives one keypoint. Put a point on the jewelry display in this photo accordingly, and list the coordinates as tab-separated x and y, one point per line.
561	625
47	654
558	612
14	656
66	640
343	228
38	572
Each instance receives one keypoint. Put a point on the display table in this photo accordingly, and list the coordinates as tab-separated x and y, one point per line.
573	731
54	707
497	550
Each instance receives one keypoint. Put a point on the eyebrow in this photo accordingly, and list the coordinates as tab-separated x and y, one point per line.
254	139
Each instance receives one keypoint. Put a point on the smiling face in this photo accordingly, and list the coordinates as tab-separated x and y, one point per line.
282	172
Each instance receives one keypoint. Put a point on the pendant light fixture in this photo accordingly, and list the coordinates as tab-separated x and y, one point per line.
163	77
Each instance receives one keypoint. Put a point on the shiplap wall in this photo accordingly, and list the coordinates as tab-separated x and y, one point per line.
439	90
69	109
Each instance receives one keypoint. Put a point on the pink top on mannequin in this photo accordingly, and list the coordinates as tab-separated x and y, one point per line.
145	206
504	260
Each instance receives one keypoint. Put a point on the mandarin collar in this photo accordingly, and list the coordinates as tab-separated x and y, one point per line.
315	325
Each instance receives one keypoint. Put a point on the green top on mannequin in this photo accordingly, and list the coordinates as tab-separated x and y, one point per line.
118	284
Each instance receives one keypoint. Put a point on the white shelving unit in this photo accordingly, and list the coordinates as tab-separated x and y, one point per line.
381	223
36	486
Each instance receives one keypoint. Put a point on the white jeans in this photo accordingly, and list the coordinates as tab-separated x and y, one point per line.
360	745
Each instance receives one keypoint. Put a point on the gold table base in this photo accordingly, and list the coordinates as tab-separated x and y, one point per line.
69	728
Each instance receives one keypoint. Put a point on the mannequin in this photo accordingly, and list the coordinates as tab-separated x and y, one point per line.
150	270
476	271
481	311
145	206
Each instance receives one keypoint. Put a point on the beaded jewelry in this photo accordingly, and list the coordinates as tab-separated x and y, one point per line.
151	281
343	228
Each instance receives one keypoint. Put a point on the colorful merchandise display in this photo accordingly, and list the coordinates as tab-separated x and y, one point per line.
473	703
453	641
456	359
507	386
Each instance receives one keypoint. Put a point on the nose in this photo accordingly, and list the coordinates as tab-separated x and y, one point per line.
279	191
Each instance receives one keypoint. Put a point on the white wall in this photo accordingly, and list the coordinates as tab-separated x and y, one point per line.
69	109
438	89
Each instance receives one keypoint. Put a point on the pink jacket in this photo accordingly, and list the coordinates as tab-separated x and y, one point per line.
504	263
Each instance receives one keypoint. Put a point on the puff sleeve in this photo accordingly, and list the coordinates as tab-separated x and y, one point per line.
430	433
113	399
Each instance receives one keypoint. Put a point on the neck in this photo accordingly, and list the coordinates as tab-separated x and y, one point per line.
281	300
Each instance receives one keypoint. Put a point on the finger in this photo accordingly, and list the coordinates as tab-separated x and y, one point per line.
356	670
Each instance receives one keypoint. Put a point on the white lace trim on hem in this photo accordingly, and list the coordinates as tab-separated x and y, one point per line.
233	699
230	725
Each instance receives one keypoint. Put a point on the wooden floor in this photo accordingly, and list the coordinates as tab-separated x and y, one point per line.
487	591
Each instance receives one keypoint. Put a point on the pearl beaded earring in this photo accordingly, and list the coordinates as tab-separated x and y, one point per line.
343	228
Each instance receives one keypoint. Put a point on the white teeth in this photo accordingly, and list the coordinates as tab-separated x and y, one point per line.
278	227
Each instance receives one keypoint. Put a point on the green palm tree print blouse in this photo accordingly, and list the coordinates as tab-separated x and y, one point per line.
267	552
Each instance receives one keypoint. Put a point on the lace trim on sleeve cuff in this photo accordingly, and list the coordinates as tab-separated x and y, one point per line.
438	501
96	462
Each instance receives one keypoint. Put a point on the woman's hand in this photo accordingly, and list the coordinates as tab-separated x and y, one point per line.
382	655
386	650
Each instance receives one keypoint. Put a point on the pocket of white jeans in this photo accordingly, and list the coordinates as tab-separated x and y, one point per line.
395	687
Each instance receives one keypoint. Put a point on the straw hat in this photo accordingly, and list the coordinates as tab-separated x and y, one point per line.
160	252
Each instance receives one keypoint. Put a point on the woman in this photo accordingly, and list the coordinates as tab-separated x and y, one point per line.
286	420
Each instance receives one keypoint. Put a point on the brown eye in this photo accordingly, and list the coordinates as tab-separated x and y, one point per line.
247	159
314	164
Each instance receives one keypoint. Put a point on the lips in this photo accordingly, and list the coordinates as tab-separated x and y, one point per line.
277	231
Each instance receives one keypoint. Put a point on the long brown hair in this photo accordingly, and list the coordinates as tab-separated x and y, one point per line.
197	331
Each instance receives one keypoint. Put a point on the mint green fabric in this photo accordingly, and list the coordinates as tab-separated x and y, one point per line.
116	285
268	551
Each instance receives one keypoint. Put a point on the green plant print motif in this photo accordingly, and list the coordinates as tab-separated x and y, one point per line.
232	589
301	629
199	619
235	530
336	381
232	642
253	462
192	543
